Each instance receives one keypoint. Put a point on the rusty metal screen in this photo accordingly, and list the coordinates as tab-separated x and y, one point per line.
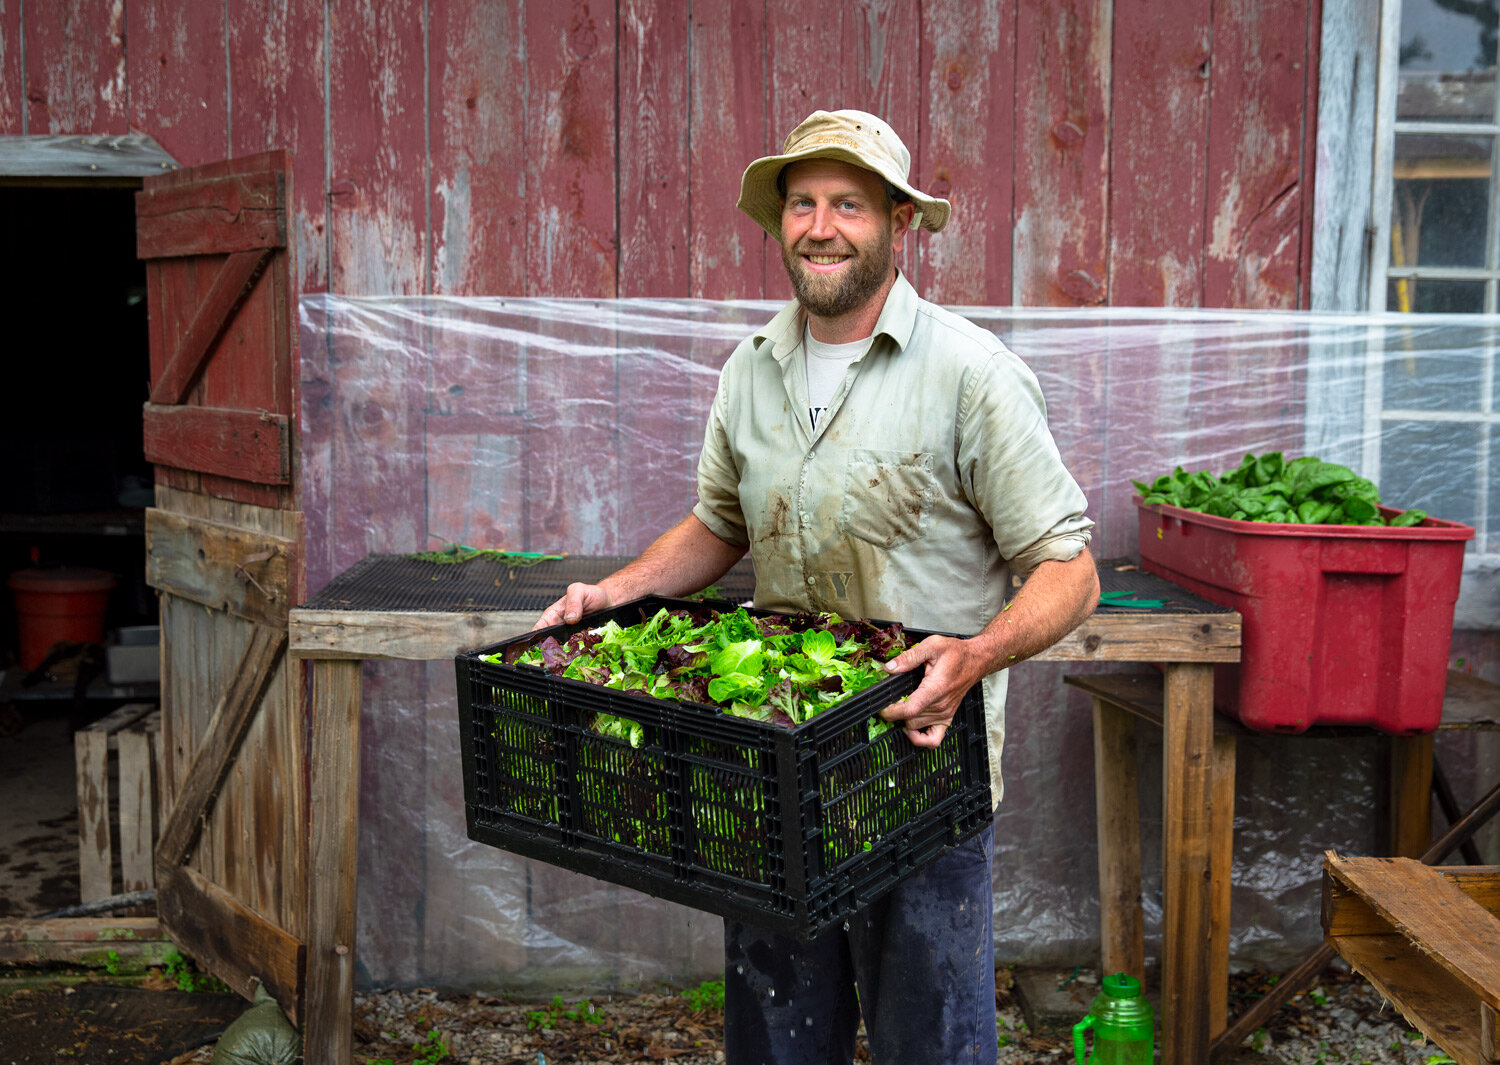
397	582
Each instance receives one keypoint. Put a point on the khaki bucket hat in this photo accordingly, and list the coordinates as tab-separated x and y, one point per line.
855	137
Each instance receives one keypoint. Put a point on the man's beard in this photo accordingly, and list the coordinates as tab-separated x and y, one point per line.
834	296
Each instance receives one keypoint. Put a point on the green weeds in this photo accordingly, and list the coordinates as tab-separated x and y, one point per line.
708	995
558	1010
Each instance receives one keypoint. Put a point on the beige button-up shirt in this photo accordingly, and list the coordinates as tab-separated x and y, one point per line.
930	479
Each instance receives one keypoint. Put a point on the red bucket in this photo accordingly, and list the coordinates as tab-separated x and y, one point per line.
59	604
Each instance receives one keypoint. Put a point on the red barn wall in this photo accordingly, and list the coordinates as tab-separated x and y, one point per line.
1140	152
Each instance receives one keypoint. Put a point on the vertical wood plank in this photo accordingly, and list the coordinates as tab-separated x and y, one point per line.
332	862
12	84
1410	795
655	238
570	157
95	851
378	191
879	76
1256	164
137	825
1187	787
75	76
1221	860
726	130
968	149
1348	55
1122	929
1062	158
178	83
478	133
1160	97
276	50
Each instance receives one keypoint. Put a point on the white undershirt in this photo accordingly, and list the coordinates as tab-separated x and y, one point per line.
826	364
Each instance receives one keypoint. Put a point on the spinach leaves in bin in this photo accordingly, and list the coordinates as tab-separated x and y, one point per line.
778	668
1268	488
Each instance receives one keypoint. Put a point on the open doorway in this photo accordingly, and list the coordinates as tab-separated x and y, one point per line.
74	486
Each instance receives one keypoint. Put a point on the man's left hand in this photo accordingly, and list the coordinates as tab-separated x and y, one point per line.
952	669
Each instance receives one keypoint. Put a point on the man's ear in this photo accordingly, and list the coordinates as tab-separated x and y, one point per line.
901	217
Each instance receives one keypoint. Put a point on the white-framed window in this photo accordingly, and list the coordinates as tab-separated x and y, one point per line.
1436	148
1435	250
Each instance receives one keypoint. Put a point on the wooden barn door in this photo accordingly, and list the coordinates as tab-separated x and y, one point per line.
224	553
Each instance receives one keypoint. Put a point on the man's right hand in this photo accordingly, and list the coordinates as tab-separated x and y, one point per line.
578	600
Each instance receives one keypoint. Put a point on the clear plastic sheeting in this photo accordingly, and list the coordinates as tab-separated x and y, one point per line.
556	425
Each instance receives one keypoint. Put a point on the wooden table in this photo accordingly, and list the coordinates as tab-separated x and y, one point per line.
337	632
1122	698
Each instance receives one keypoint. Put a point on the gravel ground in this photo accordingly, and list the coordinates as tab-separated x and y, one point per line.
1342	1021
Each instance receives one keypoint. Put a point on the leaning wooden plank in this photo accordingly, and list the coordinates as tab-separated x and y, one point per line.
228	939
95	851
1457	933
226	731
1429	997
408	635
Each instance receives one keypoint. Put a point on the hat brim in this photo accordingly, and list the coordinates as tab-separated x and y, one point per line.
761	199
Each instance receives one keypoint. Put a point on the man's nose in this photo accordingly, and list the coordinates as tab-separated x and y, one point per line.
822	223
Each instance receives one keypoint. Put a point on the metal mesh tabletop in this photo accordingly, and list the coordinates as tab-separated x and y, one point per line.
396	582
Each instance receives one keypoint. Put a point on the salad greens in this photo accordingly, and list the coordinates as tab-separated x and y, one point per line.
779	668
1268	488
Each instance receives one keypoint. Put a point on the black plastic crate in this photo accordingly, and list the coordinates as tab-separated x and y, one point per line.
792	829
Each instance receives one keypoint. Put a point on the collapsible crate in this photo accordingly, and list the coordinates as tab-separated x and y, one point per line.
1343	624
793	829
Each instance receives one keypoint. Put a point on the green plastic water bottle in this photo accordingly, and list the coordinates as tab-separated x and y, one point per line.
1120	1019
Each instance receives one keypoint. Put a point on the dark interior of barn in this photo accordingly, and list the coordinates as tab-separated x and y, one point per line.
73	498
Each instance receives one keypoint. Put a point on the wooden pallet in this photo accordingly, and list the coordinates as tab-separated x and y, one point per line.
1426	937
127	810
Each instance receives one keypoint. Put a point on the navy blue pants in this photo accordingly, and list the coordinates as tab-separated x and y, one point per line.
922	958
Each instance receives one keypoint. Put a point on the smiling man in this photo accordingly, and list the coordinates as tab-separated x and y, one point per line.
879	457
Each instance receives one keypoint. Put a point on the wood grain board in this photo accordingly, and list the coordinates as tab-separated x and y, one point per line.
1094	153
1428	938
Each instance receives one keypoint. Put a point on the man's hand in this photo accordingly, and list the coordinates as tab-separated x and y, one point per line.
578	600
952	669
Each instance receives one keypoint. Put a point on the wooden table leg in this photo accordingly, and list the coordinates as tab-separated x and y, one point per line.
1411	795
1221	855
333	856
1187	768
1122	936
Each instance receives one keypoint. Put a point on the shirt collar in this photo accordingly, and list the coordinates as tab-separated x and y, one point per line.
897	320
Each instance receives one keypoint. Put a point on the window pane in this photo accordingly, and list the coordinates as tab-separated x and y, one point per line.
1440	201
1437	369
1408	294
1447	62
1430	465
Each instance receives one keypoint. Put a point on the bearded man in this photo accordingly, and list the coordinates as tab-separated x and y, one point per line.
879	457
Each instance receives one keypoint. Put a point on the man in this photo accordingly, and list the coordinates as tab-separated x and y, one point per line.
878	457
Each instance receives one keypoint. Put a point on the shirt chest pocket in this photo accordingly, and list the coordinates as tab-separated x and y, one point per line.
888	496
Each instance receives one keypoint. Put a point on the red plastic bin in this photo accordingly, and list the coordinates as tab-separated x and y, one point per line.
1343	624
